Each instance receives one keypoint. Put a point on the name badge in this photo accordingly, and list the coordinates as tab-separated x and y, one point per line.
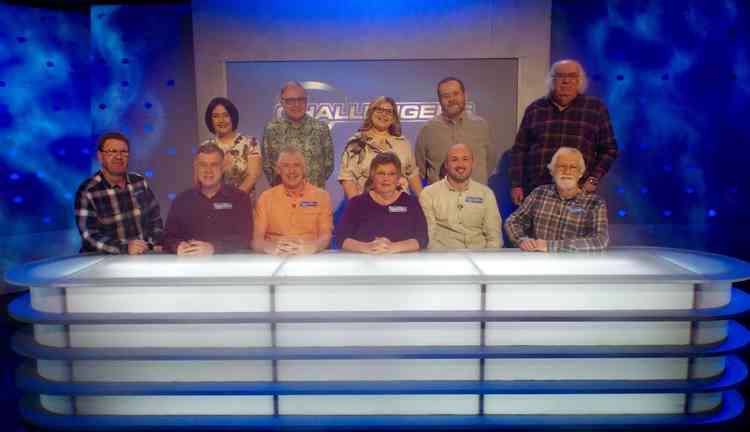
308	204
473	200
222	206
575	209
397	209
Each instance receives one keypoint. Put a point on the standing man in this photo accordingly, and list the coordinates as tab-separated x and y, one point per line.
212	217
452	126
461	213
564	118
295	217
116	211
296	128
561	217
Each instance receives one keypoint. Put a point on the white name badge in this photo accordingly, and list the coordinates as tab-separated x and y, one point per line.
474	200
397	209
222	206
307	204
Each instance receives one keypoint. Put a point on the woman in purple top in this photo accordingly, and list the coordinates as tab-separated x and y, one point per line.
384	219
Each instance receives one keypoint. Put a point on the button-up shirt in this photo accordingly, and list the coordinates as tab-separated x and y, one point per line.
461	219
109	216
440	133
584	124
568	225
307	215
312	137
360	150
223	220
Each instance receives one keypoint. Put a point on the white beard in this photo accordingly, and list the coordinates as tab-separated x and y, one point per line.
566	183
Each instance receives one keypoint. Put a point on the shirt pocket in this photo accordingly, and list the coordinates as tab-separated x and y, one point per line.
472	215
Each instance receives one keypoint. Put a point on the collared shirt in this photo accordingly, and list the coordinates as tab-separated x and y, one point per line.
239	152
223	220
440	133
109	216
584	125
312	137
307	215
360	150
457	219
364	219
568	225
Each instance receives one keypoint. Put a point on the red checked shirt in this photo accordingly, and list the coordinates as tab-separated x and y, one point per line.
584	125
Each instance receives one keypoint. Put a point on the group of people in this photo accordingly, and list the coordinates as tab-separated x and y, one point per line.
399	199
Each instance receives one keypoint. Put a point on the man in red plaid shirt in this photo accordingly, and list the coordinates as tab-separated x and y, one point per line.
564	118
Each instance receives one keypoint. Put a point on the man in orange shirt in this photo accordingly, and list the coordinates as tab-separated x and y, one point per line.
295	217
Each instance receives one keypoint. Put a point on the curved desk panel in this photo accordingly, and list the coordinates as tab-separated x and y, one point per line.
469	337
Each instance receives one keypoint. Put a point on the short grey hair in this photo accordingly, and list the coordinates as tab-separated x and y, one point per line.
567	150
288	84
292	150
583	81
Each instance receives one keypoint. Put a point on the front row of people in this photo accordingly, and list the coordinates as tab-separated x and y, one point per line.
117	212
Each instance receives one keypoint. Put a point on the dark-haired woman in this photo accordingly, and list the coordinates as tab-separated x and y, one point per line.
242	159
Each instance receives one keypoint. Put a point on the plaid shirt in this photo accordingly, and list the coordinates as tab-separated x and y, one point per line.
109	216
584	125
568	225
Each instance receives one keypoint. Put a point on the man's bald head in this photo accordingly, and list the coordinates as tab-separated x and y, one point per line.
459	162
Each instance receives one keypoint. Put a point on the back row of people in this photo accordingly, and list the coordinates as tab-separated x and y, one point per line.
587	125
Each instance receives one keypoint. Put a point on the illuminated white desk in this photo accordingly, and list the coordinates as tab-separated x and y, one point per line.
427	339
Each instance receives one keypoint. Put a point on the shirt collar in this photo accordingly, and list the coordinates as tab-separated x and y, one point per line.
109	185
305	188
453	189
291	123
576	100
222	192
459	120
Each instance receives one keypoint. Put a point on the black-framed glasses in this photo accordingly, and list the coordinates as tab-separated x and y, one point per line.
294	101
563	76
383	111
111	153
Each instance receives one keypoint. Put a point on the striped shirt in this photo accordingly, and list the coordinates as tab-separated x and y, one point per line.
568	225
584	125
109	216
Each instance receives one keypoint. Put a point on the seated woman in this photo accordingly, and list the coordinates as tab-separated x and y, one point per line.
383	219
242	158
380	133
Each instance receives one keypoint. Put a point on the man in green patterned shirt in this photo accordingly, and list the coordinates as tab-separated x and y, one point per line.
296	128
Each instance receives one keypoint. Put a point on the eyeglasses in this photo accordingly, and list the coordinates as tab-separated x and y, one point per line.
383	111
294	101
112	153
563	168
563	76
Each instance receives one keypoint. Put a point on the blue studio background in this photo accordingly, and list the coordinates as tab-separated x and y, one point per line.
675	75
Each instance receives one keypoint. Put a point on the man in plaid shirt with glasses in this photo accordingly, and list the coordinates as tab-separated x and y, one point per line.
564	118
561	217
116	211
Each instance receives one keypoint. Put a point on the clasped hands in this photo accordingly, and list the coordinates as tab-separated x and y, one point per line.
533	245
195	248
291	245
380	245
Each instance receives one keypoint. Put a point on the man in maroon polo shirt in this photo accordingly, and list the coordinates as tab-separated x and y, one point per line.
212	217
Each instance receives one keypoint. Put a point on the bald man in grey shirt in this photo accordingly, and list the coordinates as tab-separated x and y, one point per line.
455	125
